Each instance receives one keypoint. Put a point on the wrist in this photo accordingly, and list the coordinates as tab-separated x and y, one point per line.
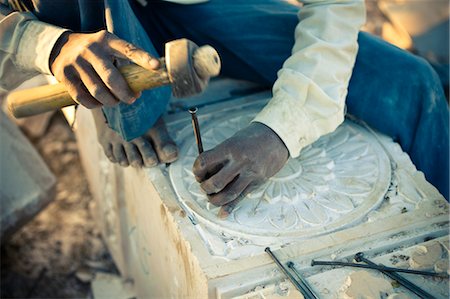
56	50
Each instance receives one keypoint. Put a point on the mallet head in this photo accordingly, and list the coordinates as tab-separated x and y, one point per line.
189	67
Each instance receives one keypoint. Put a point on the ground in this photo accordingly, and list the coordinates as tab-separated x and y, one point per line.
44	258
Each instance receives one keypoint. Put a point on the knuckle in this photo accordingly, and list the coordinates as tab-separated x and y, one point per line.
102	35
202	161
100	94
216	186
79	59
231	195
68	72
109	76
253	173
130	50
91	48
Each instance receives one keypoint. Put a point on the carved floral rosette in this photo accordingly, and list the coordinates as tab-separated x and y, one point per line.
335	182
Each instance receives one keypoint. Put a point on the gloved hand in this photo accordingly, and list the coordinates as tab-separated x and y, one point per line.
239	164
84	64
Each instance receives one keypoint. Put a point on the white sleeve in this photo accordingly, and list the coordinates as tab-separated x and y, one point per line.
25	47
309	94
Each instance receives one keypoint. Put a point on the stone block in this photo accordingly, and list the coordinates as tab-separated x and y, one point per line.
354	190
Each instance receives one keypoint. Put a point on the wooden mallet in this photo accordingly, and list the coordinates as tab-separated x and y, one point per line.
186	67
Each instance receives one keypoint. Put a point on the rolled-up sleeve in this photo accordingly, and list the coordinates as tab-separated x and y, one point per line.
309	94
25	47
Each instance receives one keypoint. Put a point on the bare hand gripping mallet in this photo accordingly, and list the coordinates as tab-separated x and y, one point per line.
187	68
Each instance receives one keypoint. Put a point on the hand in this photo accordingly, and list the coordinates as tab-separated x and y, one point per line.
239	164
84	64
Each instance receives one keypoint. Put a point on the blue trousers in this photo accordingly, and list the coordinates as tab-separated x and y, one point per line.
395	92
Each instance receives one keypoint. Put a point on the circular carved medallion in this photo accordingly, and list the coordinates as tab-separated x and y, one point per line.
335	182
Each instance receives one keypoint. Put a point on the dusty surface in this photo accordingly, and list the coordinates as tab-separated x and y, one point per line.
362	284
54	255
42	259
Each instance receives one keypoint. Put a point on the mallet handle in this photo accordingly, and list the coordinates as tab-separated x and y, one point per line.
41	99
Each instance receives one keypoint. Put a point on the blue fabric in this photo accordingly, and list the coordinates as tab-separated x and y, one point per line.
395	92
134	120
401	95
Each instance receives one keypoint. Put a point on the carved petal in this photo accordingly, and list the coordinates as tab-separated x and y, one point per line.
194	188
251	214
283	217
336	202
273	193
351	186
311	212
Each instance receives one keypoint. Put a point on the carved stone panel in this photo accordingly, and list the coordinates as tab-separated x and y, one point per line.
334	183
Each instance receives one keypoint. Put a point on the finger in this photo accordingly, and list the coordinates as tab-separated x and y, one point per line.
226	209
119	155
111	77
133	156
221	179
147	153
77	90
208	163
94	84
230	192
109	152
165	147
126	50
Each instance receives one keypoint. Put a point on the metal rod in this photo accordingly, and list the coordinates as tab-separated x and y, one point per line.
302	280
198	137
378	267
297	285
359	257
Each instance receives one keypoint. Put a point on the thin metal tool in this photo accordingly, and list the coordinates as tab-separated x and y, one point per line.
302	289
378	267
359	257
302	280
198	137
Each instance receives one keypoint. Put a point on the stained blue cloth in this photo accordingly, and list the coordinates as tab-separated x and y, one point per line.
132	121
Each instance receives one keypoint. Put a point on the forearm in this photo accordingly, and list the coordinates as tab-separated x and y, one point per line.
25	47
309	94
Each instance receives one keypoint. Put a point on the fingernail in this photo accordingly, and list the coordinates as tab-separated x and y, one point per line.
132	100
154	63
151	162
124	164
170	149
223	213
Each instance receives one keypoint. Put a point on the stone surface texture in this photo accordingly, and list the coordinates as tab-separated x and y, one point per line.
165	237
